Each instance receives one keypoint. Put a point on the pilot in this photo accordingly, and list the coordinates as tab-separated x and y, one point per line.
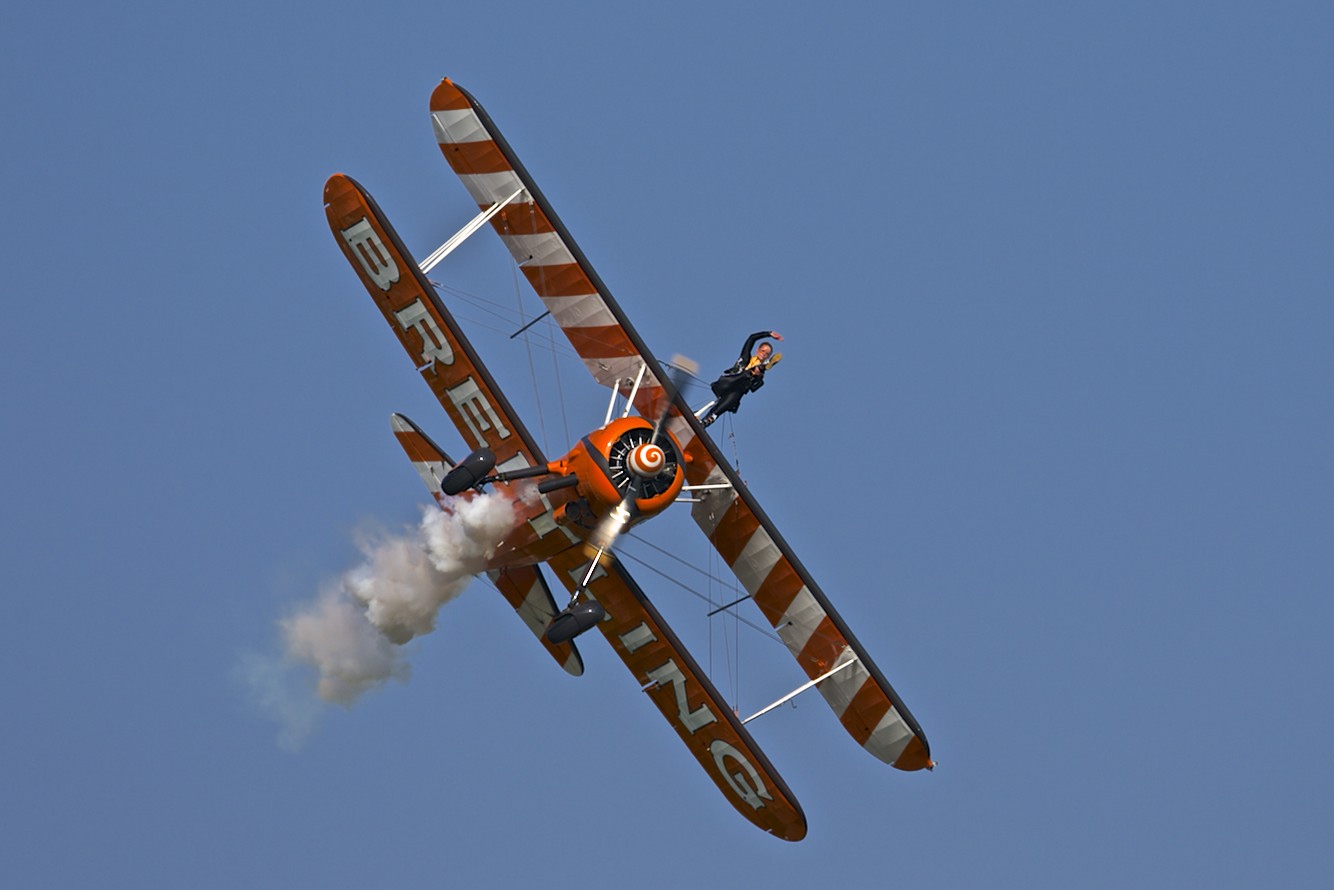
746	376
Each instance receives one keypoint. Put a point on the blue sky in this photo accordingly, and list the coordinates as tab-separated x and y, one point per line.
1053	432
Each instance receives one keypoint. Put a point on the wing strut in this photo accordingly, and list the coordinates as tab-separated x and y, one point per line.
464	233
616	391
800	689
630	402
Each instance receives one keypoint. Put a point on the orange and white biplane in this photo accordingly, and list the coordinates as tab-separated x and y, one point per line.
571	509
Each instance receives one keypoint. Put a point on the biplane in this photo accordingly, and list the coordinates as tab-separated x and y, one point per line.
569	511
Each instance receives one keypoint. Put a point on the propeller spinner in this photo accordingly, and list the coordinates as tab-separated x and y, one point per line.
646	461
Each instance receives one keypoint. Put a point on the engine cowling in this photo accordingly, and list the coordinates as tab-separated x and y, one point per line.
623	460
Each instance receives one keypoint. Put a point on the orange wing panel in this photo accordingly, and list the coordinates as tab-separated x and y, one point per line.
686	697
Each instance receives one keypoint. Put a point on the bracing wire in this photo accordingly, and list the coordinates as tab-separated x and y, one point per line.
560	390
709	623
732	652
736	643
532	367
508	317
670	555
695	593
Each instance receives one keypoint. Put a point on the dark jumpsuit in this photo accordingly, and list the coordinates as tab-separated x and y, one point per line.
735	382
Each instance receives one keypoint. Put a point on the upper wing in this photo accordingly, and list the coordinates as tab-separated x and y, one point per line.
614	352
437	346
675	683
539	242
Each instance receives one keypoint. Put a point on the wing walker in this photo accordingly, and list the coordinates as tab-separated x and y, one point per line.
570	510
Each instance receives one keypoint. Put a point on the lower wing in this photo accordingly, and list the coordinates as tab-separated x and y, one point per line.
686	697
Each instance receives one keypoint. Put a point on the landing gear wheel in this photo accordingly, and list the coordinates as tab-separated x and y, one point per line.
574	619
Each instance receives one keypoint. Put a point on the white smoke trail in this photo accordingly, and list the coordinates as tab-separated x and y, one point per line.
353	633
